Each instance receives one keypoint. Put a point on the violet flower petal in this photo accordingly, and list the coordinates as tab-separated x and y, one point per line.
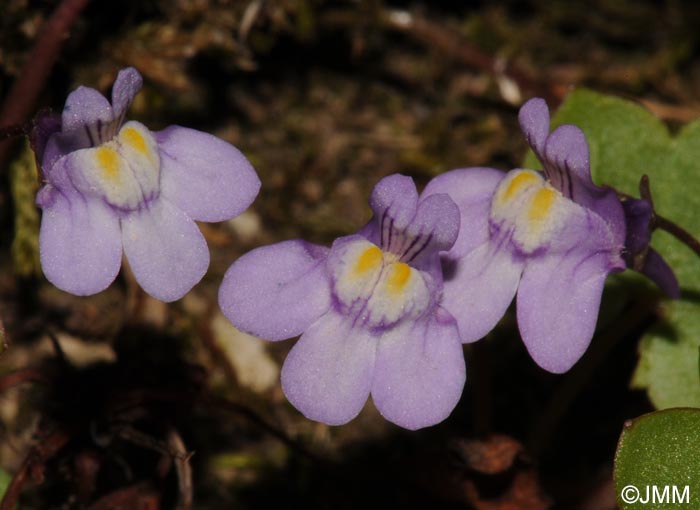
472	190
479	288
420	371
205	176
565	159
657	270
395	197
126	86
85	106
165	249
328	373
437	221
277	291
534	123
79	243
557	306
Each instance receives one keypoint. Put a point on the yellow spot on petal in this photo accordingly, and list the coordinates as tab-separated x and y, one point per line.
398	277
542	204
369	260
108	161
520	181
134	139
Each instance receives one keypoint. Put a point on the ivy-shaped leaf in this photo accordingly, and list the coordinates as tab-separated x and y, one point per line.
658	456
627	141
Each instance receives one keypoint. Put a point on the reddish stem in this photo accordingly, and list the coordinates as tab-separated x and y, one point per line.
20	101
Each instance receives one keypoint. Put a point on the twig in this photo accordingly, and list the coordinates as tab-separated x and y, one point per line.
21	376
24	92
137	496
181	459
453	45
33	467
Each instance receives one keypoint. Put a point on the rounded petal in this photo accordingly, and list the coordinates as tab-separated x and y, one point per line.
85	106
534	123
479	288
165	249
567	167
557	306
394	200
438	217
126	86
277	291
205	176
567	151
420	372
472	190
328	373
79	243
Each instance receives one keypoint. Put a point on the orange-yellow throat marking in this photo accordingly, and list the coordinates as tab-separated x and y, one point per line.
520	181
398	276
542	204
108	160
134	139
369	260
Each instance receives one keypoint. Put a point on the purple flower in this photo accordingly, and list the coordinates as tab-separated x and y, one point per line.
111	184
367	310
552	237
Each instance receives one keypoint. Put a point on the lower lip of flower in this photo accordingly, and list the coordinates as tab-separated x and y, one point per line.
375	284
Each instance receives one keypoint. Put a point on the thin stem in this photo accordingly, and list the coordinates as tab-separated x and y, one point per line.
679	233
14	131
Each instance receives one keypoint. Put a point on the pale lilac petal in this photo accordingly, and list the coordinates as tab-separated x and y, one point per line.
568	169
565	158
479	288
657	270
79	243
165	249
328	373
557	306
394	200
277	291
437	218
87	117
566	162
472	190
534	123
205	176
126	86
420	372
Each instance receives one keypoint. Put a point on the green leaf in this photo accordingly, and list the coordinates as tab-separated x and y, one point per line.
5	479
659	450
627	141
